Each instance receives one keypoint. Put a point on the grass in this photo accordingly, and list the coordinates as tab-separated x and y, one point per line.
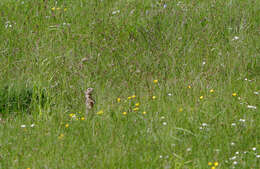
204	54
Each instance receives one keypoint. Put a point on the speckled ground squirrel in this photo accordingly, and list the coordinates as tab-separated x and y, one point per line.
89	100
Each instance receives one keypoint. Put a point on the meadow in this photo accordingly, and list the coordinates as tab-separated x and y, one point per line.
176	84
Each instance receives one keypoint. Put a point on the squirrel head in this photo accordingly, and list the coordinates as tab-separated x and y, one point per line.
89	91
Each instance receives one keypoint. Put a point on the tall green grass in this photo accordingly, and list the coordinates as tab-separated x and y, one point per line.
204	54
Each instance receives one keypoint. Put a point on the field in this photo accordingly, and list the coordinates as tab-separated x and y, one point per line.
176	84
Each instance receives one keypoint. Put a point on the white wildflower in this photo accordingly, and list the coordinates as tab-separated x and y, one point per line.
8	24
235	162
256	93
169	94
188	149
254	149
235	38
164	123
251	107
257	156
233	158
32	125
23	126
232	143
242	120
233	124
66	24
115	12
204	124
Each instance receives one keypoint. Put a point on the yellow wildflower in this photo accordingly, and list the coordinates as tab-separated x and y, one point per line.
155	81
82	118
189	86
79	112
129	98
144	112
213	167
58	8
137	104
136	108
65	9
216	164
180	109
209	163
124	113
118	100
154	97
67	125
28	168
53	8
72	115
211	91
100	112
61	136
201	97
234	94
134	96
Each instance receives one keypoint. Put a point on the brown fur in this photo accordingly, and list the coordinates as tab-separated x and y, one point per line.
89	100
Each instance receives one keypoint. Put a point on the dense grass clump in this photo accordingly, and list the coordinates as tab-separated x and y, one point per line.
176	84
14	98
11	100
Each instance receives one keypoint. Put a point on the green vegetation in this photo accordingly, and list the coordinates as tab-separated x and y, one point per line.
202	113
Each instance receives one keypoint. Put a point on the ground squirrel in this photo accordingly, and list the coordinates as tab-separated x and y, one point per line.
89	100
